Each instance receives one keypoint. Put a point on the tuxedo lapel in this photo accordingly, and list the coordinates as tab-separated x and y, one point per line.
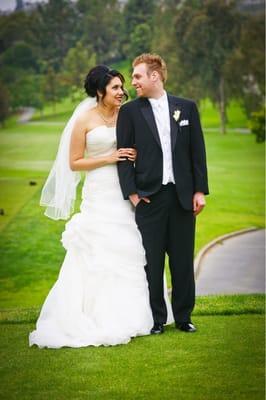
146	110
174	126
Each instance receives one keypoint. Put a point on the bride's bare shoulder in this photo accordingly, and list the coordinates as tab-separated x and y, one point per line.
87	119
86	115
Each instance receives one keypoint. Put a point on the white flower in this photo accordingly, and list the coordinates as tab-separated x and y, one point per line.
176	115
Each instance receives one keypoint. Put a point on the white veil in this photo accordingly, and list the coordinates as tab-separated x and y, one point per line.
59	191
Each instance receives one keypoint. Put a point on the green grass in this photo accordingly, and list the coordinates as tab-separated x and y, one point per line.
9	199
205	306
211	118
236	179
224	360
60	113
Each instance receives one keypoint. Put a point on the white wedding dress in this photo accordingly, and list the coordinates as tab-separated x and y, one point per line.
101	295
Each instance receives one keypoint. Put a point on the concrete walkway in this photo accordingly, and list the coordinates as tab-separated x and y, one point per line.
26	114
235	265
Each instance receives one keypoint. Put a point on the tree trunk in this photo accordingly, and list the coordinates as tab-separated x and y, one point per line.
54	106
222	107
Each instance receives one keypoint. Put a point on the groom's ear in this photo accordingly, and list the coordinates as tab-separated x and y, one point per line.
154	76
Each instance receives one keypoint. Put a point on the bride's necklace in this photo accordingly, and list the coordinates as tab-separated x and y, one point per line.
108	121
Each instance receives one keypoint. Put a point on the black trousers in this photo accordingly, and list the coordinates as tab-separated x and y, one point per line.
167	228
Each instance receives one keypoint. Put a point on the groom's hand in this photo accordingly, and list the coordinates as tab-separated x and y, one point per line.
198	202
135	199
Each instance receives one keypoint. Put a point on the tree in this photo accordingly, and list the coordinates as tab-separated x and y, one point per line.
78	61
4	103
25	91
51	87
140	40
16	27
21	55
257	124
100	21
56	30
197	38
137	13
246	67
206	37
164	42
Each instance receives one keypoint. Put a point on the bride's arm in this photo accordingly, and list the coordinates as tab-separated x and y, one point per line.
77	150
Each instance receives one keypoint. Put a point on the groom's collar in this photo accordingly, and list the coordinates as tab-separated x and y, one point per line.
146	110
161	100
145	101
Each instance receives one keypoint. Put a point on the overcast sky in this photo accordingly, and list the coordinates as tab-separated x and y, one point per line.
10	4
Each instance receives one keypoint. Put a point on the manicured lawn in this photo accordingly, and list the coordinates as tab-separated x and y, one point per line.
223	360
236	176
211	118
61	112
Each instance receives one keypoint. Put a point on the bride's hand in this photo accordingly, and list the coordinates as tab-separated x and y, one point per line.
118	155
122	155
132	154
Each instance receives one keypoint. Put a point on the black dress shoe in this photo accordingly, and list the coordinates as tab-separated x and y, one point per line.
186	327
157	329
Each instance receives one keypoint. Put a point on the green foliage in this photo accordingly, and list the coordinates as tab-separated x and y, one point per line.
52	87
101	26
4	103
137	19
58	30
212	51
137	12
21	55
257	124
140	40
206	37
16	27
26	89
246	66
78	61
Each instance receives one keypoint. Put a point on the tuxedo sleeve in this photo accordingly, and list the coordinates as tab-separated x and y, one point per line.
198	153
126	138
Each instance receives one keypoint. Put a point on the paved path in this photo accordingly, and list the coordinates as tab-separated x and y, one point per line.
26	114
236	265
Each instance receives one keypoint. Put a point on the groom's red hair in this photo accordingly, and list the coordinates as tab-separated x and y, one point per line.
154	62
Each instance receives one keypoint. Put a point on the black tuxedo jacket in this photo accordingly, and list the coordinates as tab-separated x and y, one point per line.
136	127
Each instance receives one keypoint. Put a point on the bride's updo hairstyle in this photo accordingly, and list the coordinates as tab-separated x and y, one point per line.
98	78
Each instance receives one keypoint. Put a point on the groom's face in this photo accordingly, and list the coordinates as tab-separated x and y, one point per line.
142	81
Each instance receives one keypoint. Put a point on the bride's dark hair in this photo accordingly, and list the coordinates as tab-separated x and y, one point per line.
98	78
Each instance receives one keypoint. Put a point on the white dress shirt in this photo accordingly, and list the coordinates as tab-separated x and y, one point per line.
160	108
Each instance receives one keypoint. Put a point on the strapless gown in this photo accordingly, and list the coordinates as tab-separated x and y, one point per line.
101	295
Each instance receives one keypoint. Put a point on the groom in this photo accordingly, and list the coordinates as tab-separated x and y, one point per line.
166	185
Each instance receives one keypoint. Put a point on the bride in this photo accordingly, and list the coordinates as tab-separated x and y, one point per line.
101	295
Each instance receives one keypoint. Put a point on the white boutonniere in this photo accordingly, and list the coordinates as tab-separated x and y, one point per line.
176	115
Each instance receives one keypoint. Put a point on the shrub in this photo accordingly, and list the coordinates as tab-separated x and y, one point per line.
257	125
